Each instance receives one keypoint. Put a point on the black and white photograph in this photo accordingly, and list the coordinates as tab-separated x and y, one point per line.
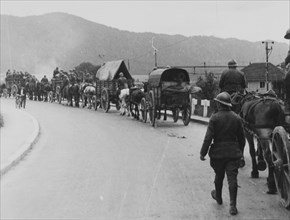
145	110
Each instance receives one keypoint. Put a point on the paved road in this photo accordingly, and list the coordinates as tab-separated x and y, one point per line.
99	165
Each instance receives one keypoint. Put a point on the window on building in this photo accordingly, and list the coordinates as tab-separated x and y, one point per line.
262	84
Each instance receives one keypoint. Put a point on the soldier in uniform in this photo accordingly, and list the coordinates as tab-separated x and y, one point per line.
44	80
226	151
232	80
56	72
122	82
22	93
8	73
287	82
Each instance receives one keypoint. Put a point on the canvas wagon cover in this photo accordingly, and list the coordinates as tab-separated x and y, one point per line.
111	70
167	74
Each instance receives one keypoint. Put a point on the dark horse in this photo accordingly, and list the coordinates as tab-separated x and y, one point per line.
31	88
42	91
71	93
75	94
134	100
260	114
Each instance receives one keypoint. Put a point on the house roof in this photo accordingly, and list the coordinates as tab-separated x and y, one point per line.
111	69
256	72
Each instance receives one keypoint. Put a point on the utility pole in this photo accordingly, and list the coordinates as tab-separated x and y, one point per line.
268	52
128	64
155	52
101	56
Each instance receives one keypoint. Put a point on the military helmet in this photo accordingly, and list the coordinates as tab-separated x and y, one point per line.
224	98
232	63
287	35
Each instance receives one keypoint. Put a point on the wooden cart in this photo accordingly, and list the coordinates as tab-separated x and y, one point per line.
107	92
168	89
281	159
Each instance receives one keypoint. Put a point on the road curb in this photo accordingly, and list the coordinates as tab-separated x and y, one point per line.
194	118
200	121
24	149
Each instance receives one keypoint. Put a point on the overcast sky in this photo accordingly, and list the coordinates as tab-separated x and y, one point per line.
246	20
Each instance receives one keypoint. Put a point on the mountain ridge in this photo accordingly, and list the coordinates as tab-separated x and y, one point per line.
39	43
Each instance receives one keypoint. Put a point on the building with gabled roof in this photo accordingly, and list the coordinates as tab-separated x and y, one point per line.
255	74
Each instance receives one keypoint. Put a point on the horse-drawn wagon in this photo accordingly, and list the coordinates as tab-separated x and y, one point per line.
264	118
106	84
13	83
56	85
281	160
168	89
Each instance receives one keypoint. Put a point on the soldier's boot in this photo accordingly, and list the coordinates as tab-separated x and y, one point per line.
217	193
233	200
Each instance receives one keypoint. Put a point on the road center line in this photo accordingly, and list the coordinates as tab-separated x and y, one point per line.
156	176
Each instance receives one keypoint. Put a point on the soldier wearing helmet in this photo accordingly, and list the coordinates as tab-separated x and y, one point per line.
226	151
232	80
44	80
287	81
56	72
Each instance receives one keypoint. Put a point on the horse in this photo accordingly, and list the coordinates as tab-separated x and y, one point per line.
87	91
70	93
124	101
31	89
42	91
74	91
65	94
133	100
260	115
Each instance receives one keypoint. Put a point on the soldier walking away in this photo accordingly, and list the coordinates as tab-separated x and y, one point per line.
232	80
226	151
22	95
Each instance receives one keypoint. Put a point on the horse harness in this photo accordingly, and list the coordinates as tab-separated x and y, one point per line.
250	127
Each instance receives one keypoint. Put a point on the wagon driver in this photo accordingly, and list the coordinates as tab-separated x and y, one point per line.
44	80
56	72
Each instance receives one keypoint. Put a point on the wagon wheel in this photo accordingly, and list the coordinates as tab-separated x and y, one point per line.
144	109
186	111
50	96
94	102
175	115
152	109
105	102
281	160
14	90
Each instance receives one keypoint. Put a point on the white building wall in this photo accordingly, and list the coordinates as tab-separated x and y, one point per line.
255	86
